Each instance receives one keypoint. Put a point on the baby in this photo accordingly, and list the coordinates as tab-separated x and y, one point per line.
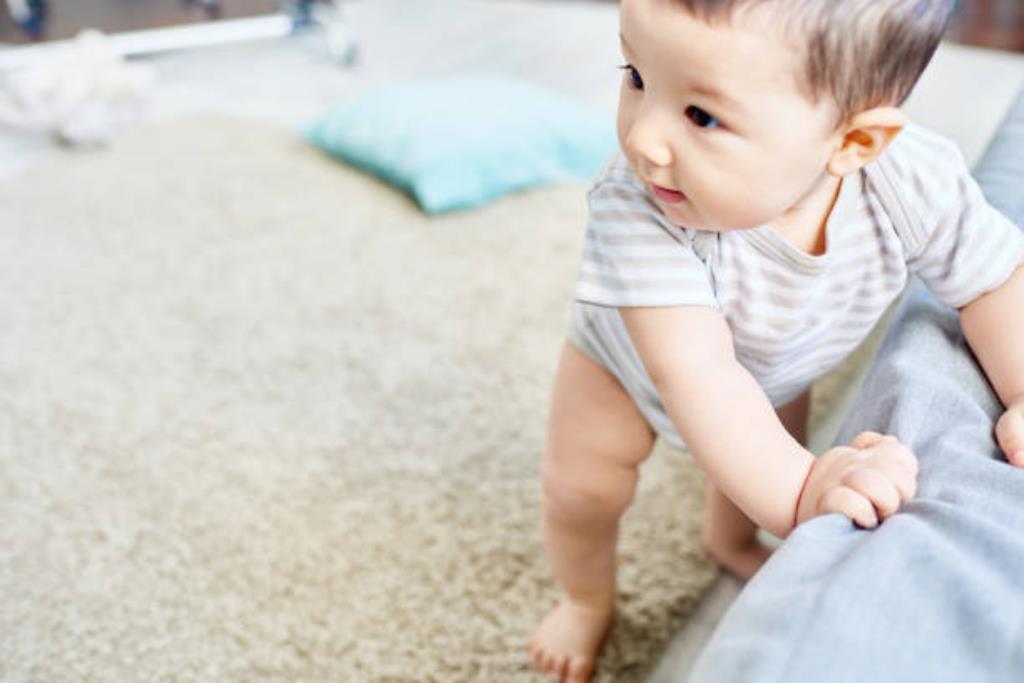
769	202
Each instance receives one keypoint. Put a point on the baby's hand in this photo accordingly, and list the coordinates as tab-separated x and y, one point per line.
867	481
1010	433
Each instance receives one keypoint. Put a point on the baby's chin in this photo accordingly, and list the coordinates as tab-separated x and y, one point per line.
686	216
681	213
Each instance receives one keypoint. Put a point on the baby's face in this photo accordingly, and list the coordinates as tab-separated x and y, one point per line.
713	120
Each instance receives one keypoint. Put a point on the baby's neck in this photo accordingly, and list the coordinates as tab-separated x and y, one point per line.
803	225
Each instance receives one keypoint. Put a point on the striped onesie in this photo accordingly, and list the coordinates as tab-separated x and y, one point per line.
913	211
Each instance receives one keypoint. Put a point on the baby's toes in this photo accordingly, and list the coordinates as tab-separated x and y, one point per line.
555	666
559	666
540	658
580	670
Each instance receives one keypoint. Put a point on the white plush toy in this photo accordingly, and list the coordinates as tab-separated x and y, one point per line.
83	94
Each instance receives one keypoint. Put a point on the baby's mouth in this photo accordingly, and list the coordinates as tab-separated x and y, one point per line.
666	195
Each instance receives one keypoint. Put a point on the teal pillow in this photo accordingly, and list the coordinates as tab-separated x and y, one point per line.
461	142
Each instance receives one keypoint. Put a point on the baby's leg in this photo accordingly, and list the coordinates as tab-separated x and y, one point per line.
729	536
597	438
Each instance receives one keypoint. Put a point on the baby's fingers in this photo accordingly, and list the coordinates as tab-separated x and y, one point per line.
880	491
850	503
897	468
897	462
1010	434
867	439
874	444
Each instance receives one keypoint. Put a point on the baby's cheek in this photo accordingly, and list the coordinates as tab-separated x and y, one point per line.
753	204
728	205
623	119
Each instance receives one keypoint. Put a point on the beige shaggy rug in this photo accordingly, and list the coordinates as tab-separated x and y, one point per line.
262	420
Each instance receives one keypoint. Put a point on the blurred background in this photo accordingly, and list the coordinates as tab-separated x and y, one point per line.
985	23
287	61
56	19
990	23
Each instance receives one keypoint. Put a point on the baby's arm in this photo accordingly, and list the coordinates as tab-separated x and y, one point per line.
994	327
733	432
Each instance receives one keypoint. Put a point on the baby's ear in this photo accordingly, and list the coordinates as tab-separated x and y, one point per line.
864	137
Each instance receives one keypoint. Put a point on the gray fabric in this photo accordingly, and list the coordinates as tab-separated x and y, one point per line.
936	593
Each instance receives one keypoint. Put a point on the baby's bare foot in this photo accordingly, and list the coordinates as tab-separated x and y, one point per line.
568	640
742	562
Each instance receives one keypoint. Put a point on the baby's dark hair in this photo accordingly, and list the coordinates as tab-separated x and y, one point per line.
863	53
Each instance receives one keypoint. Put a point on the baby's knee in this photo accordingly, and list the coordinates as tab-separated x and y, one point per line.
598	492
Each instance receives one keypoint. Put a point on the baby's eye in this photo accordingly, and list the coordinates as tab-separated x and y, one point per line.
634	76
701	118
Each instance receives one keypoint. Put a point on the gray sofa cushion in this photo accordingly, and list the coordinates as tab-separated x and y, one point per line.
1001	170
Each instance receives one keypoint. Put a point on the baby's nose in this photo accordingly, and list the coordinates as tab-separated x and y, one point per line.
646	141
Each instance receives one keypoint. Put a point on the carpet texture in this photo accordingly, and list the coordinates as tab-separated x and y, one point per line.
262	420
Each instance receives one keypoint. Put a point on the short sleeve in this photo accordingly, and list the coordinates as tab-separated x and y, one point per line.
957	243
632	255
